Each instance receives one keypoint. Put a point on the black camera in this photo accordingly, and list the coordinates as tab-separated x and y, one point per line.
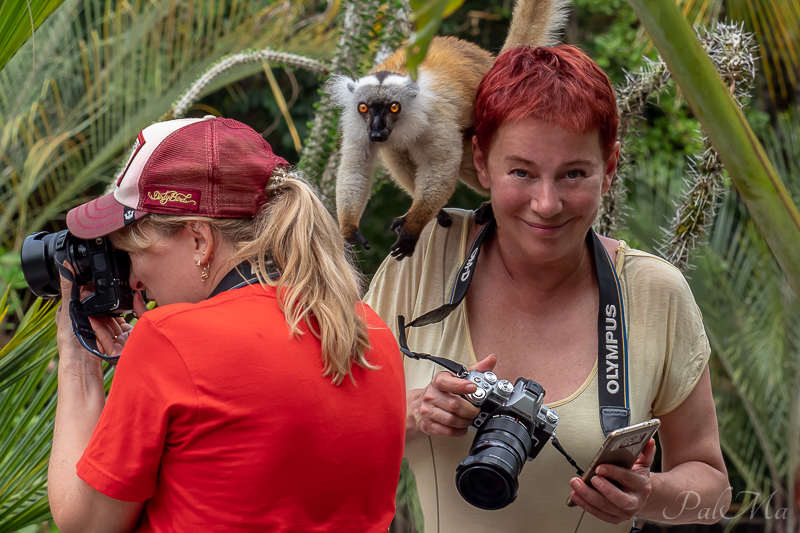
93	261
512	427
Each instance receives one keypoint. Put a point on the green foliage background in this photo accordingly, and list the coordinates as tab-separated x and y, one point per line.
736	266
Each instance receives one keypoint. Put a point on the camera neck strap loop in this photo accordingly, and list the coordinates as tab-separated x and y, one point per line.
612	347
456	368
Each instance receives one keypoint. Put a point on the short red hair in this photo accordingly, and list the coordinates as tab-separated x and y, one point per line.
559	85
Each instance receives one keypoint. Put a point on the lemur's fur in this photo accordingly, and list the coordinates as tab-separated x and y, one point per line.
422	129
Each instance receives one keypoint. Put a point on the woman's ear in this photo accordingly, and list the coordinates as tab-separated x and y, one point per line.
479	160
202	240
611	167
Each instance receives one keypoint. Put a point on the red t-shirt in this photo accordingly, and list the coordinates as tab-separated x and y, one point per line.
222	421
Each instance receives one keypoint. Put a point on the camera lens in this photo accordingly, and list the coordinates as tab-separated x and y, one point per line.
488	477
38	264
39	259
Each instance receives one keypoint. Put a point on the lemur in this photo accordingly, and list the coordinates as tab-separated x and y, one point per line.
422	129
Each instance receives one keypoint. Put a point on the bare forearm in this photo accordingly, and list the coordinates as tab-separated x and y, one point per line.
80	401
692	492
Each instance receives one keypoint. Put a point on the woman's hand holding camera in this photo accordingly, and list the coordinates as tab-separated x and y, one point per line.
439	409
112	333
609	503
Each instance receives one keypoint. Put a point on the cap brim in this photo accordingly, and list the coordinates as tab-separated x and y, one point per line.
100	217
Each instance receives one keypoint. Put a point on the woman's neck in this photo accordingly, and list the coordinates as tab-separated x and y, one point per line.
539	278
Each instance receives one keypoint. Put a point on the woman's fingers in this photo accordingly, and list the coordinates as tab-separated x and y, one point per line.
112	334
485	365
594	510
104	332
647	456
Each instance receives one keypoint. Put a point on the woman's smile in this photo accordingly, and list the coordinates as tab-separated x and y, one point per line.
544	229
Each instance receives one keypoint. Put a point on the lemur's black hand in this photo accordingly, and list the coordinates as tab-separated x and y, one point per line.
357	237
406	240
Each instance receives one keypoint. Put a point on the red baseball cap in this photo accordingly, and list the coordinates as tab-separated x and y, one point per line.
214	167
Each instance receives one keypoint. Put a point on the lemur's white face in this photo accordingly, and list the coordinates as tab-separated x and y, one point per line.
377	104
545	184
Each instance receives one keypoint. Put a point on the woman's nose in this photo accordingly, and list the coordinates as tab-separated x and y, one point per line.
136	285
547	201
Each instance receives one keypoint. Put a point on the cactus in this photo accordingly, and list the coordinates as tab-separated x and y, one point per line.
631	99
732	51
273	57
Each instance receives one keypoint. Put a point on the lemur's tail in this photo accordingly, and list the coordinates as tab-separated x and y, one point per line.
537	22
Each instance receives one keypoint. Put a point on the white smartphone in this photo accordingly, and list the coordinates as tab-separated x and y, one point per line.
622	448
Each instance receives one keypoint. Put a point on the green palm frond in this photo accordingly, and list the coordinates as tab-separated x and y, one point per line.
752	318
17	19
748	317
27	410
106	75
28	382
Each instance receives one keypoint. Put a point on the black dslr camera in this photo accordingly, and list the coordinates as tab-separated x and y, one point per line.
512	427
93	261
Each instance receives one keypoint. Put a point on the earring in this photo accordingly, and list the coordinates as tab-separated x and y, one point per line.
198	262
204	273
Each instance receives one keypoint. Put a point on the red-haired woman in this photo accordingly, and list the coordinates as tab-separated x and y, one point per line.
545	147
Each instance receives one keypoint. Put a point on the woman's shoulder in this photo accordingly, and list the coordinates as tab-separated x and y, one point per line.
644	271
399	286
178	314
435	242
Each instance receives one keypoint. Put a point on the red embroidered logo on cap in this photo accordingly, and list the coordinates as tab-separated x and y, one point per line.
171	197
135	150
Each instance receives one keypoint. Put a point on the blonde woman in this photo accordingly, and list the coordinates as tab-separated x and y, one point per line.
259	395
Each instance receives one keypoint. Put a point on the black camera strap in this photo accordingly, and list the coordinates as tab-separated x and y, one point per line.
612	348
80	318
456	368
239	276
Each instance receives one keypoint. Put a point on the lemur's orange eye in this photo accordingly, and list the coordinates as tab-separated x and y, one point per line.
395	107
362	107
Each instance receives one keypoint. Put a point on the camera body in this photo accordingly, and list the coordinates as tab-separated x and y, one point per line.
92	260
512	428
524	399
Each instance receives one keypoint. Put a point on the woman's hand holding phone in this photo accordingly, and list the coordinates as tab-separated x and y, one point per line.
609	503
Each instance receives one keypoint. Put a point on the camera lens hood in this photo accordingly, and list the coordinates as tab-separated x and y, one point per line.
488	477
38	266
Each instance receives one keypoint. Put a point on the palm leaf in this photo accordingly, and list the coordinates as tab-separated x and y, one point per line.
751	316
27	410
17	19
776	25
108	75
760	187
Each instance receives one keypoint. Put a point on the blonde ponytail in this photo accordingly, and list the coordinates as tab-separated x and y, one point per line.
318	281
317	277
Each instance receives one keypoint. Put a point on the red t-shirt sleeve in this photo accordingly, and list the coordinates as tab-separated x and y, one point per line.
151	411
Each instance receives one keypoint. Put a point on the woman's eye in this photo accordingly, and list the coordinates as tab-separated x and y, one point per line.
575	174
518	172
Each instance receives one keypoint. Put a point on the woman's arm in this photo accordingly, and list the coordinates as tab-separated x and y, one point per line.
693	487
694	478
75	505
